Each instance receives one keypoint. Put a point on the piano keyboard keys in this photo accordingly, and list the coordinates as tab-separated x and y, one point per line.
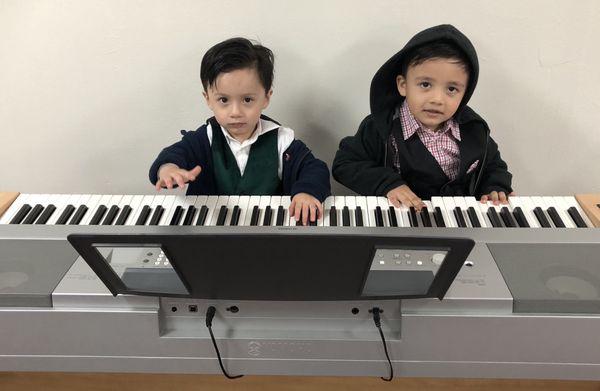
338	211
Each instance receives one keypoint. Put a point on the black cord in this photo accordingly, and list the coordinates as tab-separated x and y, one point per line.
210	314
377	319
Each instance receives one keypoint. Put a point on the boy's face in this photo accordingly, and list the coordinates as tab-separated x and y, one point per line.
433	90
237	99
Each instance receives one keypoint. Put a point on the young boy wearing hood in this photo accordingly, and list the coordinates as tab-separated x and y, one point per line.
421	139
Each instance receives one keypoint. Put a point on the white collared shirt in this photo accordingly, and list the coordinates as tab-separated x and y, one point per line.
241	151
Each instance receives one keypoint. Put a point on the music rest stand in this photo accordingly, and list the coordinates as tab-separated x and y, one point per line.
279	266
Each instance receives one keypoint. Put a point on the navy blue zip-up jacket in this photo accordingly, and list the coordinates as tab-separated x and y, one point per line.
301	171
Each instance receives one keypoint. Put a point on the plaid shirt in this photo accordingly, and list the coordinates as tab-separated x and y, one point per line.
443	144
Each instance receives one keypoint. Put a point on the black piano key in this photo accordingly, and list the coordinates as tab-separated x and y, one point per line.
98	215
222	215
507	217
378	217
65	215
539	214
78	216
494	218
574	213
553	213
158	212
143	217
412	217
425	217
189	215
268	218
333	217
460	218
111	215
280	216
20	214
358	217
473	217
346	217
235	216
176	215
46	214
392	217
438	217
520	217
124	215
202	215
313	223
34	214
255	216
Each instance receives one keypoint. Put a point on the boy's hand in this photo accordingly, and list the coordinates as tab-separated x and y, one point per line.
497	197
306	207
170	174
402	195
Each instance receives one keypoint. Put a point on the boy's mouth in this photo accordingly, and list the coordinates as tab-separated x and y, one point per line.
237	125
433	112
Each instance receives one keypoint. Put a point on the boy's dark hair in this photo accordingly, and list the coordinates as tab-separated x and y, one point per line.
433	50
234	54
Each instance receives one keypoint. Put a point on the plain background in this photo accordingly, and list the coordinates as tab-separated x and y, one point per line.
90	91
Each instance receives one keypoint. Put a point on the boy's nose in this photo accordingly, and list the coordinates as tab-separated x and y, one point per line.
235	110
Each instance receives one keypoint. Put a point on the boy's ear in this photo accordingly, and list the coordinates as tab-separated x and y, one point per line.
268	98
401	84
205	95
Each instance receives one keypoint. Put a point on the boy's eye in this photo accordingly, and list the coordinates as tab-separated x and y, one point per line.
453	90
222	99
248	100
425	84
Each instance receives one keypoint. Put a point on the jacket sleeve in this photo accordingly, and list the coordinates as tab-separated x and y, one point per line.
312	178
181	154
359	163
495	175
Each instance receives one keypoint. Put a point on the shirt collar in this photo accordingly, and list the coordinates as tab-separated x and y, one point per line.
410	125
262	127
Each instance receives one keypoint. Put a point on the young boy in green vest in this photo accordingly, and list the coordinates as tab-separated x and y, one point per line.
239	151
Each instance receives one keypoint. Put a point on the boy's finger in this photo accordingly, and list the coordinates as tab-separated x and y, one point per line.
494	197
320	209
196	171
292	208
313	213
484	198
159	184
502	197
305	214
168	182
395	201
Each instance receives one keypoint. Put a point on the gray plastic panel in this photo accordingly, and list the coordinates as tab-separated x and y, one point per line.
551	277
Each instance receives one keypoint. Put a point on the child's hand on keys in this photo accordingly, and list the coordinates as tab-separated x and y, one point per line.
402	195
170	174
497	197
306	208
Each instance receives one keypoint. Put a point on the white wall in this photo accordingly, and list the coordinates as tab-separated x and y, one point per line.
90	91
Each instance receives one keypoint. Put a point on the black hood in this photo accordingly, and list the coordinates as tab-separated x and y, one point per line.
384	93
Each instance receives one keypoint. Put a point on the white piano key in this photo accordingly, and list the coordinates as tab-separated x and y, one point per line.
438	202
91	204
372	204
449	206
286	201
474	203
561	207
157	200
168	205
221	201
243	204
461	203
135	205
264	202
232	202
199	202
350	202
253	201
362	202
384	205
430	210
178	200
519	202
146	200
327	204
